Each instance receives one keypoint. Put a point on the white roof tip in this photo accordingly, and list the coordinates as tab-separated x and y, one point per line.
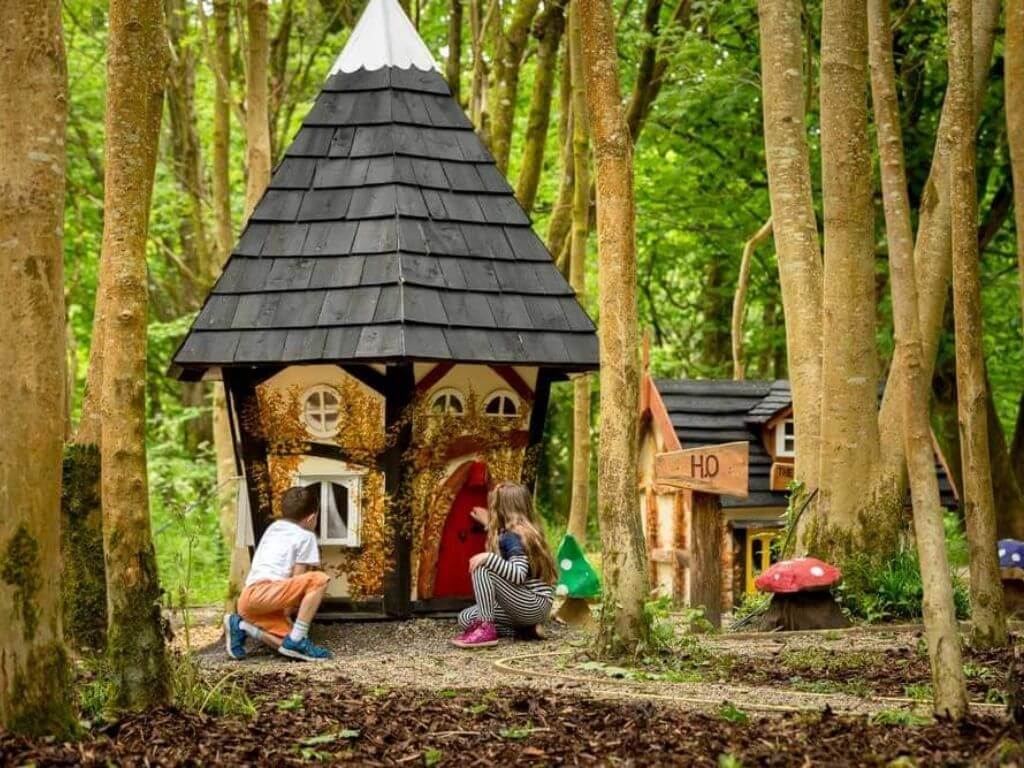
384	37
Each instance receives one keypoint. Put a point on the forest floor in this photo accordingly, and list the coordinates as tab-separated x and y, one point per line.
398	694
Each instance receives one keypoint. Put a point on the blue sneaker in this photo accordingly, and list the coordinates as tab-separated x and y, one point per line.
234	636
304	650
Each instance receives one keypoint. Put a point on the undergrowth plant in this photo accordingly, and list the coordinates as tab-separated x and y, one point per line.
878	589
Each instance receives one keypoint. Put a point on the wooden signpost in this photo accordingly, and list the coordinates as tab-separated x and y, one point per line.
709	472
722	470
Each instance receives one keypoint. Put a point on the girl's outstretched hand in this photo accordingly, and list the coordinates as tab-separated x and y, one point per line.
477	560
480	514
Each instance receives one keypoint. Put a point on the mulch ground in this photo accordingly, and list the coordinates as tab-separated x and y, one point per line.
893	672
299	722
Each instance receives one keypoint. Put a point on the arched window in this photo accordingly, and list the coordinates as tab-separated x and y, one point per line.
448	402
501	403
321	409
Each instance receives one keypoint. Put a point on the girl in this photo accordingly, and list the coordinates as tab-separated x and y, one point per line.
513	580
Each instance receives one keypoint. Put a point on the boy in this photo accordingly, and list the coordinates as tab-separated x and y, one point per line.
281	584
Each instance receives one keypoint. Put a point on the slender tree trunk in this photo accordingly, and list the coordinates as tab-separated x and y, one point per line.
849	415
453	66
794	225
257	116
740	299
932	263
507	66
223	228
1013	63
580	505
135	81
652	67
624	552
551	25
987	613
938	606
560	222
35	685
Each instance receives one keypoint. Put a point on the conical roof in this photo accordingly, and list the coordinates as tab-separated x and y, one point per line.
387	233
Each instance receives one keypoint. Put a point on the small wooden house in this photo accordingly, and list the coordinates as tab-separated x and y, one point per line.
387	329
687	413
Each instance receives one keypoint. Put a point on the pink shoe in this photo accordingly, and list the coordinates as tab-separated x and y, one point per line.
481	635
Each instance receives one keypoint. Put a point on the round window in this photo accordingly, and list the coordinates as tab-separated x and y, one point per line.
501	404
448	402
321	410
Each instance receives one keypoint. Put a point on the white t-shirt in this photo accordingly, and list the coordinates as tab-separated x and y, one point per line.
283	544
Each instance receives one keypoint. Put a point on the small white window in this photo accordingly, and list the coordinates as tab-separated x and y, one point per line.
321	409
338	523
501	403
448	402
785	439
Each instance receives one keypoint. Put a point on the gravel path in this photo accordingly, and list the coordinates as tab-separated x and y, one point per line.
417	654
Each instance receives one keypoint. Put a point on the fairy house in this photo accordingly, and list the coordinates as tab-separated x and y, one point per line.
387	329
689	413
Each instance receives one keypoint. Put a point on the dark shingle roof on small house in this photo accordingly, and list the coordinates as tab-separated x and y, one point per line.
715	411
388	233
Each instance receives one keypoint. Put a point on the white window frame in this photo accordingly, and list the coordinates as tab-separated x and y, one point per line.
321	389
354	484
785	432
449	392
509	396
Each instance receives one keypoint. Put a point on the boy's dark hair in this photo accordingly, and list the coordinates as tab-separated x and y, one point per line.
299	503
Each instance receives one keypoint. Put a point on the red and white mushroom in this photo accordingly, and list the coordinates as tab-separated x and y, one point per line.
799	575
800	596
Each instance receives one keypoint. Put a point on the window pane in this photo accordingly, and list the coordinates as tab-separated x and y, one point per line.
329	399
510	406
454	404
337	512
494	406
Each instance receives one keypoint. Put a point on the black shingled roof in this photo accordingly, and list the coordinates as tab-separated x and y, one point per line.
387	233
712	412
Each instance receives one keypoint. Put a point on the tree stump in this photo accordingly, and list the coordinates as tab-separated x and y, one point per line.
812	609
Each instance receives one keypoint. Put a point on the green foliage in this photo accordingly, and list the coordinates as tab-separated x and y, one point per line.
729	711
903	717
432	756
751	604
875	589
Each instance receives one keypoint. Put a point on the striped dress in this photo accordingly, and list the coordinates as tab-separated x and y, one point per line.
506	591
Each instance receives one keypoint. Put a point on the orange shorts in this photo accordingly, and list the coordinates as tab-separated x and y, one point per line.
270	604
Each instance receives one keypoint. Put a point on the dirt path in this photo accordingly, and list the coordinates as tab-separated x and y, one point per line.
417	654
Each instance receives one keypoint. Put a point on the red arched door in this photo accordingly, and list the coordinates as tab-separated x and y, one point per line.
462	537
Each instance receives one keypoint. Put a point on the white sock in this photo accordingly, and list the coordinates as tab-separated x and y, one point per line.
299	631
251	630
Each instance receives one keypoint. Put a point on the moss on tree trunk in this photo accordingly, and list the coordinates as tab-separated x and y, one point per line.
84	587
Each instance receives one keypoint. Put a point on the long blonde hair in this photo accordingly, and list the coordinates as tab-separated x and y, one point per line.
511	509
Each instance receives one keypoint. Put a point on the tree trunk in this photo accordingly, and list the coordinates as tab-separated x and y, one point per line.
35	688
740	299
932	256
1013	64
222	442
794	226
560	221
507	65
453	66
938	607
624	556
224	232
551	25
979	505
580	505
257	116
652	67
849	395
135	81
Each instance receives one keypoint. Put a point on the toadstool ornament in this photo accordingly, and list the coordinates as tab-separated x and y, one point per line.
1011	572
803	573
801	598
577	582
